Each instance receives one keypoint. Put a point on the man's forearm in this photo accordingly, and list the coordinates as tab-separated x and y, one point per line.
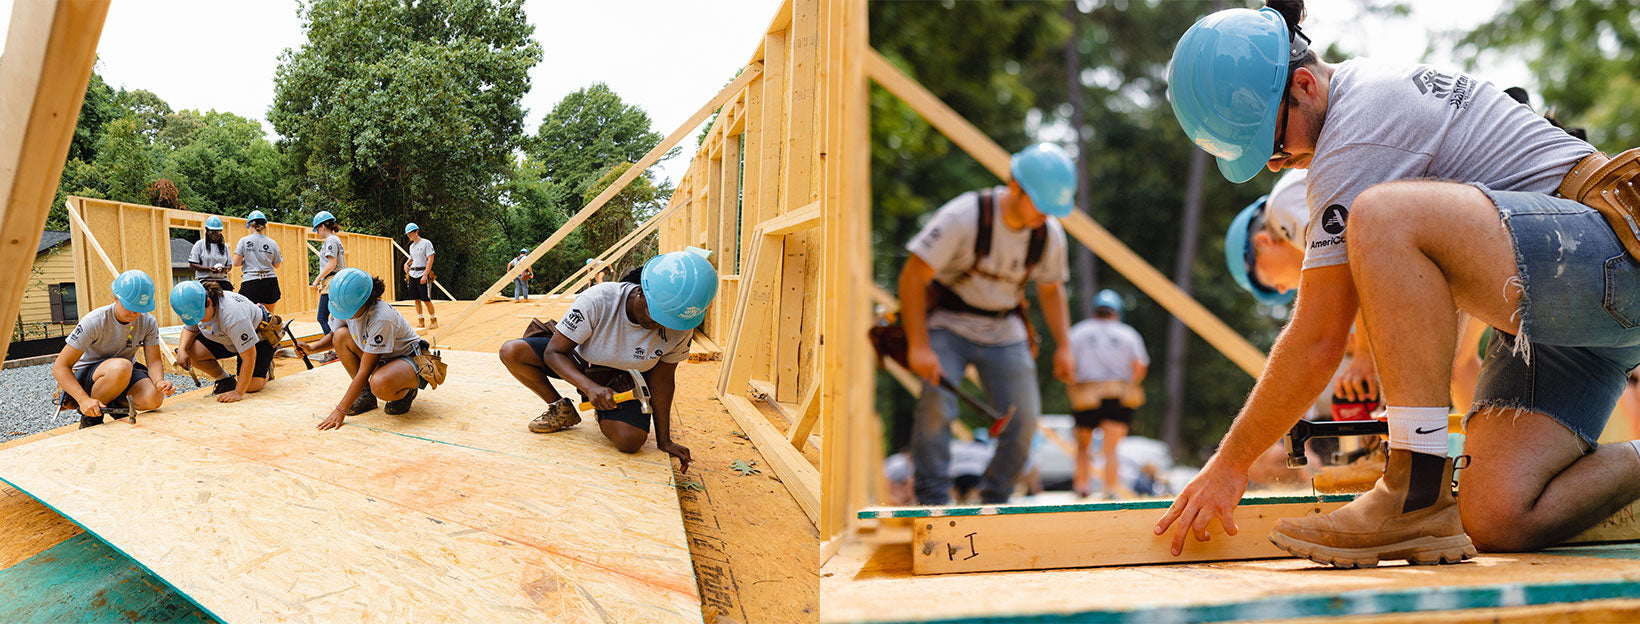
914	310
1298	371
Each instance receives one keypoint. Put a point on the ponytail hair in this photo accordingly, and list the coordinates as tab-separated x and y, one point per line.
377	289
259	225
213	292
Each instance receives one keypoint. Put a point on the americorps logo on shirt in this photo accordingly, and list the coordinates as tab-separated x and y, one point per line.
1333	221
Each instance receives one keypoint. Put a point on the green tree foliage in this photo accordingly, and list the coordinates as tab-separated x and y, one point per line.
1584	56
227	163
395	112
624	212
585	142
1001	66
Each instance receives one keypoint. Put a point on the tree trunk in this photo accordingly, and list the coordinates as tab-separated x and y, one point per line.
1087	276
1176	336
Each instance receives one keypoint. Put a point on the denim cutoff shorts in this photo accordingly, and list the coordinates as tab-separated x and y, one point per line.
1579	315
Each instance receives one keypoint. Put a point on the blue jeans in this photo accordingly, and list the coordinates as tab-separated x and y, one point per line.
1008	374
521	288
324	312
1579	316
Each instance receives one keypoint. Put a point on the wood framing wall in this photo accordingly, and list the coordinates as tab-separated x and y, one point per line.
138	237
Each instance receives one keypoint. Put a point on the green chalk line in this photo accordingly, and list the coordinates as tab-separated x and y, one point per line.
1003	510
1353	603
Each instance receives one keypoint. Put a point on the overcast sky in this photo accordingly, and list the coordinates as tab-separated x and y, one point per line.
666	56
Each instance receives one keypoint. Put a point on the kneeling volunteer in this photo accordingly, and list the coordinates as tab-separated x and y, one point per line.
639	326
219	324
376	345
96	367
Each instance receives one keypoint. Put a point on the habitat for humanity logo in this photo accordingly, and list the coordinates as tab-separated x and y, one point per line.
1456	89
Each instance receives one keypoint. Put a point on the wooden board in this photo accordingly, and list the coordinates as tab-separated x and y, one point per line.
446	513
988	538
873	582
83	580
1031	537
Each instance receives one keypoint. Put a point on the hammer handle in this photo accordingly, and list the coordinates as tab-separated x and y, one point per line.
619	398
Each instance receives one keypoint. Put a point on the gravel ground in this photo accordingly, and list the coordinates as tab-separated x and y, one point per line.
26	401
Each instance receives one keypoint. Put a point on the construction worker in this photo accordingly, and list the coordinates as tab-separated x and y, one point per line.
1110	367
209	258
332	259
521	284
219	324
377	346
600	271
616	337
1487	237
257	257
419	270
962	302
97	365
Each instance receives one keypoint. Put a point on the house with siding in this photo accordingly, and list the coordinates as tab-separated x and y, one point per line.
49	307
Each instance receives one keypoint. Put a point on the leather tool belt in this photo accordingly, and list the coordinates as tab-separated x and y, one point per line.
1608	185
1089	395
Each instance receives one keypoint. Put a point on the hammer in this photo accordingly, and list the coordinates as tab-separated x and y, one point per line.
640	392
889	341
1304	430
294	344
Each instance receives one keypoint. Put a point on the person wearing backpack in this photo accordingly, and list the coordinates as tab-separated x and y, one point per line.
962	300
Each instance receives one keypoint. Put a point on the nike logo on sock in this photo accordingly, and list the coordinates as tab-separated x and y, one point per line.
1421	431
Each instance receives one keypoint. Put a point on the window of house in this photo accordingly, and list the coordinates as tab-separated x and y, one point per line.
65	306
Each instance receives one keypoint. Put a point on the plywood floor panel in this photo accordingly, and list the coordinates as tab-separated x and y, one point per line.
258	517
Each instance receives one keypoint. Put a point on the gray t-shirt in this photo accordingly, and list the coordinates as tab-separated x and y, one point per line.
419	252
210	255
260	254
102	337
1392	122
947	244
597	322
333	249
235	323
383	331
1106	349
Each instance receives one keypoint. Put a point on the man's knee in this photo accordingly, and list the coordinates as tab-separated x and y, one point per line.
1496	525
514	351
629	442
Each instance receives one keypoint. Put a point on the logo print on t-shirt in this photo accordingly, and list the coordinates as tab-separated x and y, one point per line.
244	337
573	319
637	352
1455	89
378	339
1333	219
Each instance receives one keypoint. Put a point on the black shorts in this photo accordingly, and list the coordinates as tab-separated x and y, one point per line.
225	284
264	355
84	376
630	412
1109	409
264	291
415	290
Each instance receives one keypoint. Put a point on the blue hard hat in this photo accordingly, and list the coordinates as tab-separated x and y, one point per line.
188	301
678	286
348	290
321	218
135	291
523	251
1239	255
592	261
1108	298
411	227
1226	81
256	215
1048	176
214	223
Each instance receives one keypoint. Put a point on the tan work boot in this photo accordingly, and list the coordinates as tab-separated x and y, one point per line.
433	324
1378	526
1356	476
421	321
559	416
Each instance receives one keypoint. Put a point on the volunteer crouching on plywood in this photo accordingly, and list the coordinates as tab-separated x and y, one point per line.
1491	238
962	296
380	350
97	368
619	342
219	324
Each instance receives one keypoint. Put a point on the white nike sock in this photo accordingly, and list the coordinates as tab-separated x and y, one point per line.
1418	429
1636	445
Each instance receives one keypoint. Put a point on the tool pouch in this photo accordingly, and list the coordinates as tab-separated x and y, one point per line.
268	330
430	366
1608	185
